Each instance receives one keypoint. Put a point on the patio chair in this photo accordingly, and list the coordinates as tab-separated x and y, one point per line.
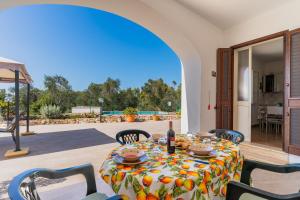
130	136
234	136
10	129
23	185
243	190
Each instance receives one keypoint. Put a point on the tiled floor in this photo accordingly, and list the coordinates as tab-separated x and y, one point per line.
271	138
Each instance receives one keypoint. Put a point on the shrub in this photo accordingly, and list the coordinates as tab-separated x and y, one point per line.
50	112
130	111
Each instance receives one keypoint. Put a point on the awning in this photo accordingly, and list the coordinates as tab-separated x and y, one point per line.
8	68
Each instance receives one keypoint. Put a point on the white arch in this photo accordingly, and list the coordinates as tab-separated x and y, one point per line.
183	31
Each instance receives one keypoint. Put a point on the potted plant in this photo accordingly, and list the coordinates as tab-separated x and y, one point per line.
130	114
155	117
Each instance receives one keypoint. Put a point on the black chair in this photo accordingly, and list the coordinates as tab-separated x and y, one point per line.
130	136
10	129
23	185
234	136
235	190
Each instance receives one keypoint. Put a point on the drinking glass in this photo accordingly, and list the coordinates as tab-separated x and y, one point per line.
162	141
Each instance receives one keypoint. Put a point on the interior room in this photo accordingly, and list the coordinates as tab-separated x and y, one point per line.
267	93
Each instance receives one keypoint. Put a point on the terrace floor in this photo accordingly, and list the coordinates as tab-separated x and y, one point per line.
57	146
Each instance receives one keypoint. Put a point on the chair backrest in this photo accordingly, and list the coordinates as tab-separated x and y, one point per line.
274	110
243	190
131	136
234	136
23	187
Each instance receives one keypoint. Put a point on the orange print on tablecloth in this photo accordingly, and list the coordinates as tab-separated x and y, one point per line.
218	171
192	173
124	197
155	171
207	177
189	184
224	190
152	197
236	176
172	163
106	178
220	162
183	172
121	176
113	179
179	182
200	166
166	179
141	195
185	166
147	180
120	166
168	197
203	187
128	168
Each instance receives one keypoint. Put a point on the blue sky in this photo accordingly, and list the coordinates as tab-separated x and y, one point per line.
84	45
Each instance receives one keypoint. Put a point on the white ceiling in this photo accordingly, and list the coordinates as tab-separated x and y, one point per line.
269	51
227	13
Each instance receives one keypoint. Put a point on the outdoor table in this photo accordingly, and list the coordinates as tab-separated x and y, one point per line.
176	176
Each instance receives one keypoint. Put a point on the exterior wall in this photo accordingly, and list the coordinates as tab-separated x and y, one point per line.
194	40
86	109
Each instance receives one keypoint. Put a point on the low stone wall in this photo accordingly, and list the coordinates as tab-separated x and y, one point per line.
104	119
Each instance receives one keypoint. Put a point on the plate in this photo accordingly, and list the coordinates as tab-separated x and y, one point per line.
120	160
180	148
212	154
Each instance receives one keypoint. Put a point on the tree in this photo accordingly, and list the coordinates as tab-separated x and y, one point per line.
58	92
152	93
110	92
128	98
94	92
3	104
174	84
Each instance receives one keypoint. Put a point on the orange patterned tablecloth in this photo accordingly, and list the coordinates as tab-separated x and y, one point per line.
177	176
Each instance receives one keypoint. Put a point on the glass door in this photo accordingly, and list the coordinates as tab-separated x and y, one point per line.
242	91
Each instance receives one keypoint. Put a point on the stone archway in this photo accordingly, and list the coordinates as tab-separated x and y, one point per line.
145	14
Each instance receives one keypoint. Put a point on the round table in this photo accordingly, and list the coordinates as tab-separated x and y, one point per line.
176	176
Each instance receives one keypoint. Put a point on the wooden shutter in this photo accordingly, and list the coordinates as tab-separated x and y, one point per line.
292	93
224	88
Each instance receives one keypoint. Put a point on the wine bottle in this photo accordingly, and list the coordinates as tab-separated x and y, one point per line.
171	139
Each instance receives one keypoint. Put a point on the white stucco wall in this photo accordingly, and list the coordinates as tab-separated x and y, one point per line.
194	40
279	19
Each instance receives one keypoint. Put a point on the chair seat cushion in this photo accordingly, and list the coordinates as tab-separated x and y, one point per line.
247	196
95	196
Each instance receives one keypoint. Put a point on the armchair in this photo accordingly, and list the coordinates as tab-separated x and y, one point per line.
235	189
19	189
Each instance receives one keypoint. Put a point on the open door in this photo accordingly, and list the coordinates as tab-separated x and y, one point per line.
242	95
224	88
292	93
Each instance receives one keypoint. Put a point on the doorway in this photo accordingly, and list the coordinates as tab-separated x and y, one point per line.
258	96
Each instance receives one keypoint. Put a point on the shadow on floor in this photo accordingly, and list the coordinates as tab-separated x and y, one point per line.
57	141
